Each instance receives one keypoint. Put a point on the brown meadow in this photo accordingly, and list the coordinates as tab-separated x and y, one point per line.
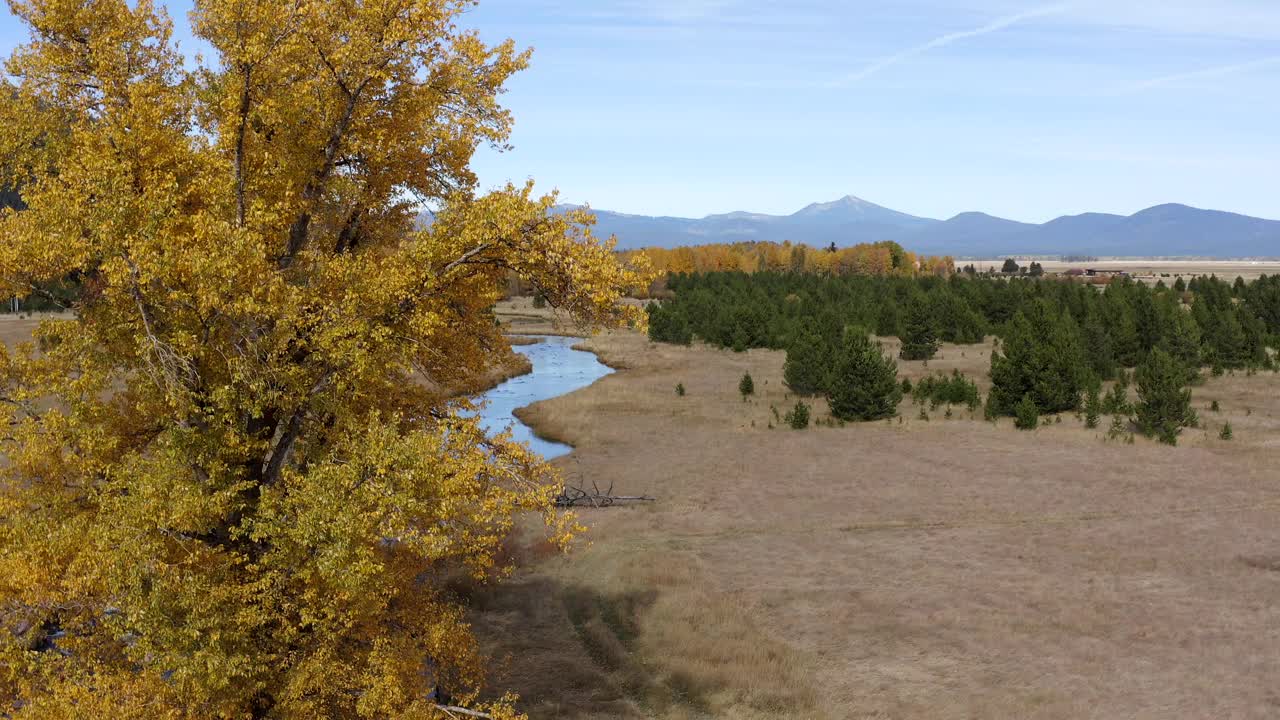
949	568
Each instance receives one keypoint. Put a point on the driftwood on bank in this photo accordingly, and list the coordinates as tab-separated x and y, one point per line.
571	496
455	711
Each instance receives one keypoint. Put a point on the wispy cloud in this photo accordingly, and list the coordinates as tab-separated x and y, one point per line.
950	38
1205	74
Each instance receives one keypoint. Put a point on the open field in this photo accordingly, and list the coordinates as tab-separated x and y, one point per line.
905	569
16	329
1226	269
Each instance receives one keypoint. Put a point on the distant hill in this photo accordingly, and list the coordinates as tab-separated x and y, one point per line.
1162	231
847	221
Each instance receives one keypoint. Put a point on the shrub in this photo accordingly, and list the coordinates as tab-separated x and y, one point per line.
1119	427
1028	417
954	389
680	389
1215	407
1117	400
798	417
1226	433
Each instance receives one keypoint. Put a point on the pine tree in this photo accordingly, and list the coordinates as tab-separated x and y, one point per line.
808	364
1097	346
1010	266
1126	345
1041	356
888	322
1229	345
1116	401
1179	285
1028	414
668	325
919	338
746	386
864	385
798	417
1182	341
1092	406
1164	406
954	319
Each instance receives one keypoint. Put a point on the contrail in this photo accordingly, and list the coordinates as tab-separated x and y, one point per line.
994	26
1206	73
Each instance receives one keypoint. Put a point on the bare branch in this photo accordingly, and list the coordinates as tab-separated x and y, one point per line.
247	74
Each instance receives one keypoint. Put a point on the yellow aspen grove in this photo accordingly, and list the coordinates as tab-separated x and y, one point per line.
881	259
224	491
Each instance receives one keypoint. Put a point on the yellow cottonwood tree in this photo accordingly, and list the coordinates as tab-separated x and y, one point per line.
223	494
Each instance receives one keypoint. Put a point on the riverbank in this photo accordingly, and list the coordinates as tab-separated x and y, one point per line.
559	368
943	568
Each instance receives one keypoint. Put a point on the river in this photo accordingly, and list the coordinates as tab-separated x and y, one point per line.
558	369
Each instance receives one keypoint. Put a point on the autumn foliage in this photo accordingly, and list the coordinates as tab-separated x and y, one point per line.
225	494
877	259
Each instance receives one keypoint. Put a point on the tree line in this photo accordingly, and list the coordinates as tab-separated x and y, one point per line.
878	259
1055	340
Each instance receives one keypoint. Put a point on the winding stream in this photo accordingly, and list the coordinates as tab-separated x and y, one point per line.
558	369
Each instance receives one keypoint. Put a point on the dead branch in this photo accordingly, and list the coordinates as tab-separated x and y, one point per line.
571	496
454	711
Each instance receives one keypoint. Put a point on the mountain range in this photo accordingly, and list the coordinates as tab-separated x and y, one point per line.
1162	231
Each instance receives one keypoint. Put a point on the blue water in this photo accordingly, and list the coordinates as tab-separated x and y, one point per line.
557	370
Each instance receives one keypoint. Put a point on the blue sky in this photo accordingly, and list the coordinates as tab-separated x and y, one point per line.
1026	110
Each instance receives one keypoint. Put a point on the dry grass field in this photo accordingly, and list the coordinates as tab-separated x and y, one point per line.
16	329
1226	269
949	568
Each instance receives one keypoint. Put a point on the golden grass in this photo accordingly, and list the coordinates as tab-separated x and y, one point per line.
16	329
629	636
942	568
